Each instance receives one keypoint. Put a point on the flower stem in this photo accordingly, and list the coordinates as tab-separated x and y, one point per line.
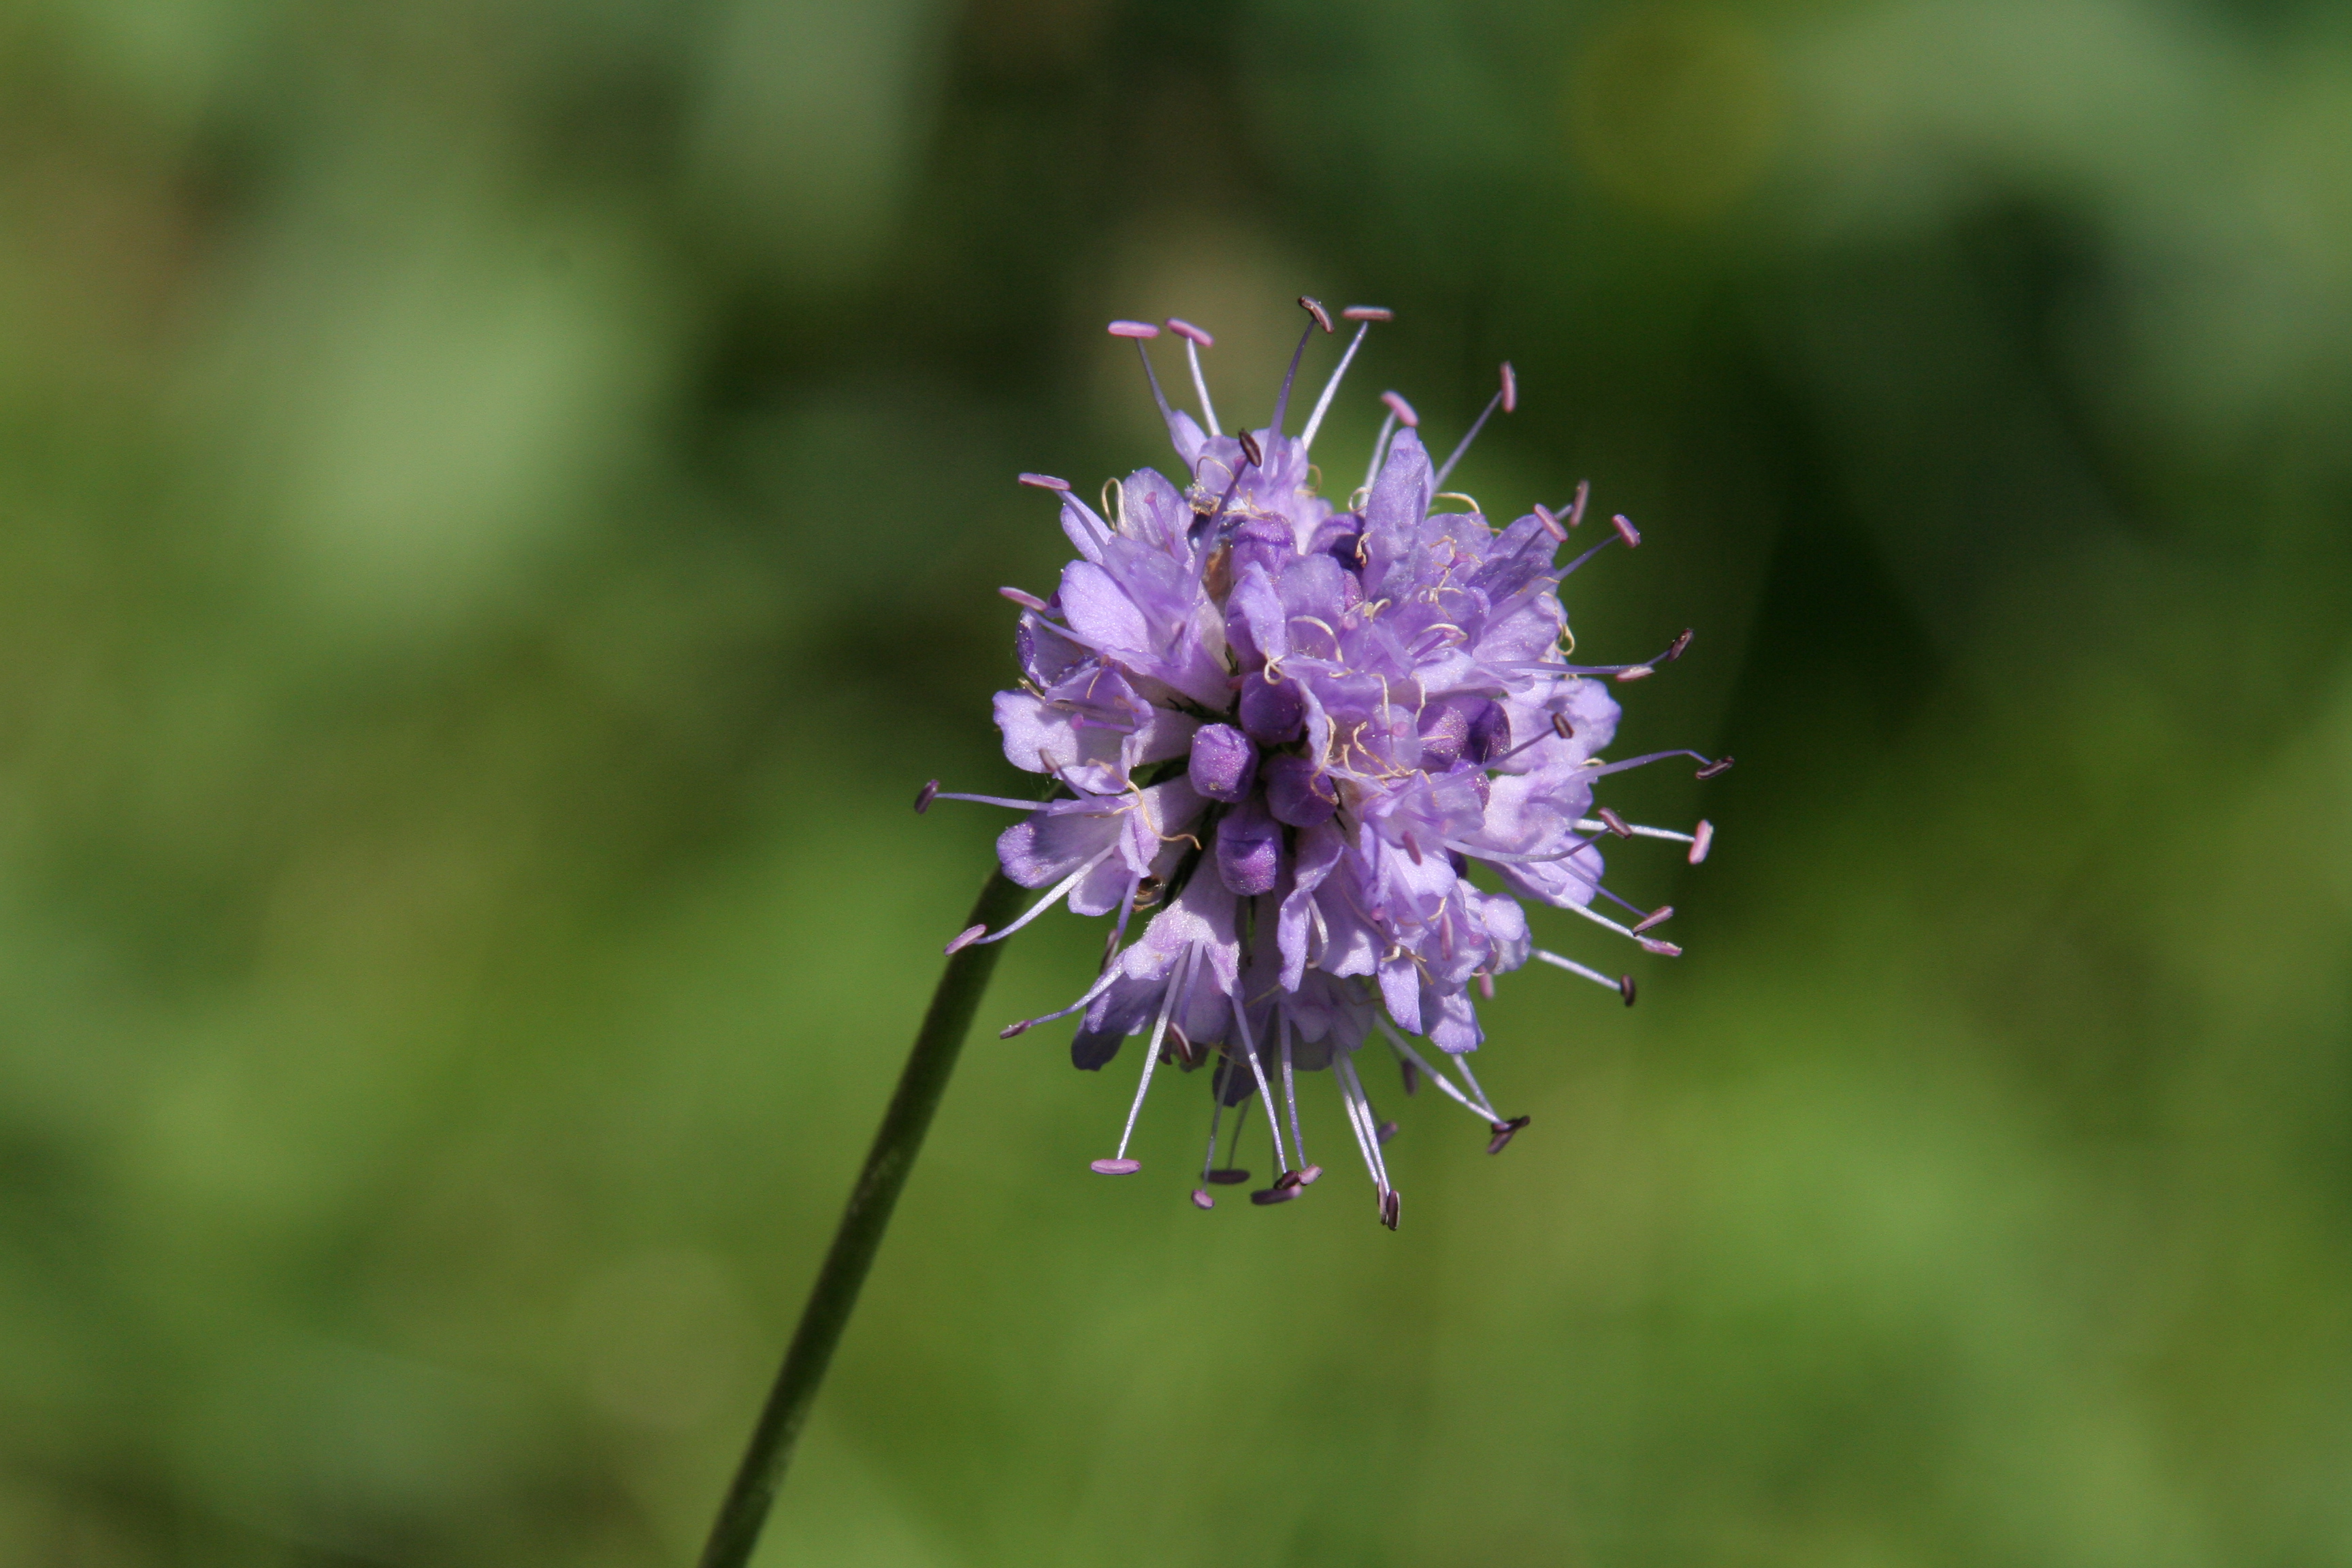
831	1298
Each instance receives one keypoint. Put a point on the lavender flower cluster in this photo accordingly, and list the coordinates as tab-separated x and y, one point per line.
1285	733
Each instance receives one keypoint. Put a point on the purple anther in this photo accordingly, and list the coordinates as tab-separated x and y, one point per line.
1251	449
1625	529
1720	765
1486	984
1504	1133
1550	521
965	938
1662	949
1490	732
1133	330
1411	1075
1674	648
1184	329
1298	793
1411	845
1656	917
1249	849
1022	597
1289	1179
1402	410
1625	988
1272	711
1616	824
924	796
1224	762
1576	508
1388	1208
1635	672
1315	308
1702	840
1384	1131
1510	389
1012	1030
1308	1178
1228	1176
1562	727
1114	1167
1045	482
1368	313
1265	1197
1201	1200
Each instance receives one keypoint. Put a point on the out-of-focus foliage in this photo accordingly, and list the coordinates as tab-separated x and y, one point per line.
498	507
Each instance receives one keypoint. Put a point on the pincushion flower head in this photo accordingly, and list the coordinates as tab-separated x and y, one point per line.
1309	758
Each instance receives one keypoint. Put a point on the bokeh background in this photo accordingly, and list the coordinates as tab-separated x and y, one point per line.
500	509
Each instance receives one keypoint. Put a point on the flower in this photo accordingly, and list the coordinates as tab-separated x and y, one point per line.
1288	734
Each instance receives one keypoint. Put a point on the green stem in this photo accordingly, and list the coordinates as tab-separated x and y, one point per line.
900	1138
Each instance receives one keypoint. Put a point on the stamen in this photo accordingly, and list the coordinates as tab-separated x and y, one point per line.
1330	387
1257	1070
1649	943
1552	523
1114	1167
1390	1206
1722	765
1250	448
1360	1117
1022	597
1045	482
1042	905
1119	930
1190	333
1576	510
1656	917
1506	399
1386	1131
1674	648
1180	978
1102	983
1707	769
1627	530
1462	1064
1133	330
1195	339
1625	988
1402	409
1588	825
1411	1076
1510	389
1265	1197
1614	823
1505	1132
923	797
965	938
1315	308
1201	1200
1562	727
1368	313
1290	1098
1556	961
1413	1058
1702	841
1380	448
1110	803
1167	415
1282	400
1635	672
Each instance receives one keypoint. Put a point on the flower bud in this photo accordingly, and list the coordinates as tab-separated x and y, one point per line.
1249	849
1272	713
1224	762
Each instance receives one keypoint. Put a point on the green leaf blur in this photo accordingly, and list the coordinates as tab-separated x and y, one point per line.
500	511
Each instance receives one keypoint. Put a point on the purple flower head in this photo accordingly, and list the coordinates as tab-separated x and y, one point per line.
1311	759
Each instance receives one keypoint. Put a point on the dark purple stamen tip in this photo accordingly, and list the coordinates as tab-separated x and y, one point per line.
1656	917
1315	308
1510	389
1674	648
1265	1197
1201	1200
1550	521
1251	449
924	796
1486	984
1662	948
1625	988
1022	597
1309	1176
1368	313
1635	672
1388	1208
1402	410
1562	727
1184	329
1289	1179
1011	1031
1576	508
1384	1131
1411	1076
1627	530
1702	840
1504	1133
1114	1167
1228	1177
1045	482
1133	330
1616	824
966	937
1720	765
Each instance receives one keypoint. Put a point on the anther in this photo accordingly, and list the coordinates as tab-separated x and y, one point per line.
1486	984
1045	482
1368	313
1412	1078
1702	840
966	937
1133	330
1413	847
1315	308
1389	1208
1022	597
1614	823
1251	449
1625	988
1720	765
1184	329
1265	1196
1114	1167
1510	389
1402	410
1545	515
1662	949
1384	1131
1635	672
1201	1200
1674	648
1505	1132
923	797
1227	1176
1308	1178
1289	1179
1627	530
1656	917
1576	508
1562	727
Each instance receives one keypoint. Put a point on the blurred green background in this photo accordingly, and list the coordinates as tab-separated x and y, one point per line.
500	507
